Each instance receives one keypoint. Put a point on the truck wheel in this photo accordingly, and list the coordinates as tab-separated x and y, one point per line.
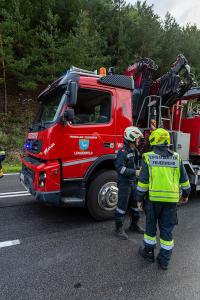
103	195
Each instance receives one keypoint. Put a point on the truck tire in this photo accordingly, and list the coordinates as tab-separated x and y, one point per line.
102	195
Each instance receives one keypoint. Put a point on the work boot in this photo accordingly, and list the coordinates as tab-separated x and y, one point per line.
161	265
119	232
147	254
135	227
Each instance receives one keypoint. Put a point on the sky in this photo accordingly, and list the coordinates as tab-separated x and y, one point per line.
184	11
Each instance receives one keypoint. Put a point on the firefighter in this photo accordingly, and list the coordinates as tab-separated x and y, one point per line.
162	175
2	157
127	165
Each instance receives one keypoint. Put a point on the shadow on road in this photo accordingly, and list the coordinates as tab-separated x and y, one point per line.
33	219
27	217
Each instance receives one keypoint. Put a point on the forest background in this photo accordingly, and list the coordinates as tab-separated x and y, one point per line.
41	39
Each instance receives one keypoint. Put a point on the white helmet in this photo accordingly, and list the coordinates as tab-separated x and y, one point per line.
132	133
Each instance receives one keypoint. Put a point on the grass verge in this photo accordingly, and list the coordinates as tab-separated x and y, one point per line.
8	168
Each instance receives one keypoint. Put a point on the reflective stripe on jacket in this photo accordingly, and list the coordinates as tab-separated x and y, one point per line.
126	163
162	158
164	177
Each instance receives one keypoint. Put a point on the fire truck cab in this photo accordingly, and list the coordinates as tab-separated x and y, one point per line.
71	146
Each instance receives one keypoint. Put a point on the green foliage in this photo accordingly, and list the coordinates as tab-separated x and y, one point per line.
28	85
170	42
12	134
12	167
84	45
41	39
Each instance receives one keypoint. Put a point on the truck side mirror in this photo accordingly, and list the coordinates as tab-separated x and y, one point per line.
73	90
68	115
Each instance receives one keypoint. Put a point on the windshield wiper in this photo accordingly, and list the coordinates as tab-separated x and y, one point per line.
39	125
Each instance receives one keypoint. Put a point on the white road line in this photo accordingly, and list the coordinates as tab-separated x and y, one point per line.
9	193
15	195
9	243
10	174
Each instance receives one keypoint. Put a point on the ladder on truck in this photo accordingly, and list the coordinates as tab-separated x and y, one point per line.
162	114
159	113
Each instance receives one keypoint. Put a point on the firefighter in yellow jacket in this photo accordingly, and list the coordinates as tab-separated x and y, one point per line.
2	157
161	178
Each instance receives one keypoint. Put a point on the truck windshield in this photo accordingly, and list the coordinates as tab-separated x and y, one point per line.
49	108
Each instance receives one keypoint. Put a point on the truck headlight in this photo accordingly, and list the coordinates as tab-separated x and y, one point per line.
42	179
33	146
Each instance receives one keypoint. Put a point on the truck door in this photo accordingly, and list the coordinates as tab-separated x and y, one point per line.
91	134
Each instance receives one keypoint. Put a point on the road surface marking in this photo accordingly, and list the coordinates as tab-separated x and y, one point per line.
10	174
16	195
9	243
9	193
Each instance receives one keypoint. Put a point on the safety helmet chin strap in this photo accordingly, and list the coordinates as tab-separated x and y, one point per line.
128	142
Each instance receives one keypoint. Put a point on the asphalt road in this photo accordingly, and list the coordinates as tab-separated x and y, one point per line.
65	254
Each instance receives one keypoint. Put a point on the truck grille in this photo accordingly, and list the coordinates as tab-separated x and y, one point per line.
28	171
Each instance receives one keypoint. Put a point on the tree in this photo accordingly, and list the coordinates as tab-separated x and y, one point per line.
42	38
46	51
190	46
147	31
169	42
84	47
17	37
3	78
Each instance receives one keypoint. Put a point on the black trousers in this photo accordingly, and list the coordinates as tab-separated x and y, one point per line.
165	216
126	198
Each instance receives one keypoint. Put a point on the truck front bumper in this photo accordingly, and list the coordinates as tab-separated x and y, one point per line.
27	179
69	193
52	198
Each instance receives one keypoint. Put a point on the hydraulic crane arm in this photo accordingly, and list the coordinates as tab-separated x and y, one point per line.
174	84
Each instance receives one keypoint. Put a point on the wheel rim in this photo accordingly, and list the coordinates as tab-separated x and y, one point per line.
108	196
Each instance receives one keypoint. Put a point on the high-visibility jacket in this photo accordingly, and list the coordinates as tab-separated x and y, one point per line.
163	177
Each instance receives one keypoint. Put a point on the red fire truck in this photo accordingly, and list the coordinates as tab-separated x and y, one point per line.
71	146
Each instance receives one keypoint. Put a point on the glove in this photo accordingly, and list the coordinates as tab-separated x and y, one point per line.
137	173
140	206
184	200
